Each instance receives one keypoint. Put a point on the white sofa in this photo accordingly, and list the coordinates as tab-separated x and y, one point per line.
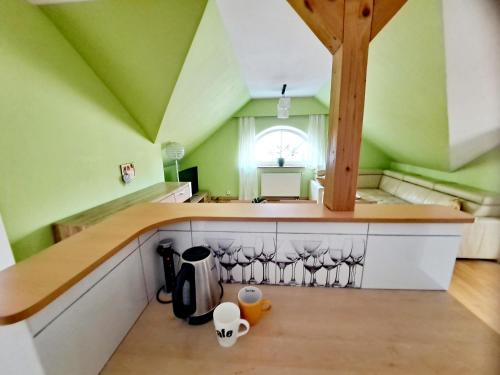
481	239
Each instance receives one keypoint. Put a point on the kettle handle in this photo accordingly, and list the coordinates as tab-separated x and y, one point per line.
182	310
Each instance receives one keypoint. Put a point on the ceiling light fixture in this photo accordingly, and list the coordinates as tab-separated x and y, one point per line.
284	104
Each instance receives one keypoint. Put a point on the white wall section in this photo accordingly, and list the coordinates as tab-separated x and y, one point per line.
274	46
6	256
472	48
17	350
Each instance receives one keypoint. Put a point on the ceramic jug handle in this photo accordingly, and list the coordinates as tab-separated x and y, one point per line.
265	305
247	326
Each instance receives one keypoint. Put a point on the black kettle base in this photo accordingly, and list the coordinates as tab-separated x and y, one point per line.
201	319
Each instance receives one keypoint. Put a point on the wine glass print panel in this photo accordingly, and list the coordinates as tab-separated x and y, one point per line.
312	260
247	258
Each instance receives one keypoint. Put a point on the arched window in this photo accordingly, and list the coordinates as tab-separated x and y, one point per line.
281	141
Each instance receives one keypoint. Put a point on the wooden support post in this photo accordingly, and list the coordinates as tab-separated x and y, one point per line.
345	27
347	106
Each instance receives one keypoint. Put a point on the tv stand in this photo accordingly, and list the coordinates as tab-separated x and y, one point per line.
200	197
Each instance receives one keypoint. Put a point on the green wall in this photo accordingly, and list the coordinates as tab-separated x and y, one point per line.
406	107
137	47
217	161
482	173
210	87
217	156
371	157
63	133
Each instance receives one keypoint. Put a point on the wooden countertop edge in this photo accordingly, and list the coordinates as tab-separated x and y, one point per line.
111	235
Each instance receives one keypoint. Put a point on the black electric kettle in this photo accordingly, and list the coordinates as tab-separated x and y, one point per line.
197	290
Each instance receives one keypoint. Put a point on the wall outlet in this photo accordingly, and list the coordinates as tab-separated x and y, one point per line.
228	193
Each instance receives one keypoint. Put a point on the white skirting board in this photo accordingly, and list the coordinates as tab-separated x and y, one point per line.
280	184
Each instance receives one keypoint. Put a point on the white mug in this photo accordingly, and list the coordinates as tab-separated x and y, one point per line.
227	324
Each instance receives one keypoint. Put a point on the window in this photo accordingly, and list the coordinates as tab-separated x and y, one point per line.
281	141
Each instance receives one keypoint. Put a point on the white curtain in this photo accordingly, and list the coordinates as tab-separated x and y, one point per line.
316	133
246	159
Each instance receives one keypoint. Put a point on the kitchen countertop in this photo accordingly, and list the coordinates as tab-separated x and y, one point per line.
32	284
319	331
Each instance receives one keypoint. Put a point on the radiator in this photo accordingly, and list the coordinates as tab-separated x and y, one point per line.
280	184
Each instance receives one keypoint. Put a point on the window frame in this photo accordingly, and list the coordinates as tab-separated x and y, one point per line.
288	164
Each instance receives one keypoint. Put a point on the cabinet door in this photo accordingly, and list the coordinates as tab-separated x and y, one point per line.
83	337
168	199
323	227
242	257
410	262
183	194
312	260
151	263
43	318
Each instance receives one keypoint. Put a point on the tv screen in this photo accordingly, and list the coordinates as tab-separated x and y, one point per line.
190	175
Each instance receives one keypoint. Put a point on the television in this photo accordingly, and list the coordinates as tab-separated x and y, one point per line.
190	175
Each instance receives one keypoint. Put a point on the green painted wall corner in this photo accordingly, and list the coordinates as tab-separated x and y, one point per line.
63	133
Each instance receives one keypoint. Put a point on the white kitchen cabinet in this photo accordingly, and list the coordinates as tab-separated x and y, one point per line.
42	318
318	249
427	229
183	194
84	336
152	265
410	262
322	227
168	199
240	245
234	226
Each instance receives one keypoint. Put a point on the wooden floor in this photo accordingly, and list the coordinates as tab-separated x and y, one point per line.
476	284
321	331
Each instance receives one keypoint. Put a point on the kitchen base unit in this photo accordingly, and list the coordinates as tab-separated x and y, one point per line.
66	309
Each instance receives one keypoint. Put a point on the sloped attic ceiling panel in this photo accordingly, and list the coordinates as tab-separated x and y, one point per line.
137	48
472	45
274	46
210	87
405	107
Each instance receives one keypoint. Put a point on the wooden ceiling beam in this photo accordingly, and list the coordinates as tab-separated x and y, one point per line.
325	18
383	11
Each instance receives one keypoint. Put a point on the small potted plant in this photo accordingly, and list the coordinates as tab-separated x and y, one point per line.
281	161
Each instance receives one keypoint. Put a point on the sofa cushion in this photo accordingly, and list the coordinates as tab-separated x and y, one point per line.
379	196
389	184
481	210
480	239
412	193
441	199
369	181
468	193
393	174
419	180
